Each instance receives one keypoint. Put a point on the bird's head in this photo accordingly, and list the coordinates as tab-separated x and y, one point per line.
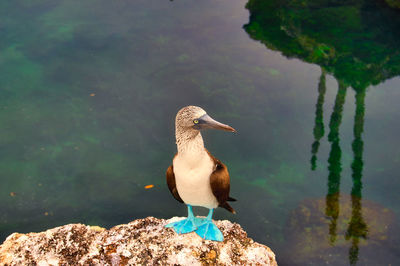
194	117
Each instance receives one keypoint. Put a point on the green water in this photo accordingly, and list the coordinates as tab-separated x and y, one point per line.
89	91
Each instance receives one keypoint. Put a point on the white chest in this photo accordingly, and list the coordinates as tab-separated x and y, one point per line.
192	176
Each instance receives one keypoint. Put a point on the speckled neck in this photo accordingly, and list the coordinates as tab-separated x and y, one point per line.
188	140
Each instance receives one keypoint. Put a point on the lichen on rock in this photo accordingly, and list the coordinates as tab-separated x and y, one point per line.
141	242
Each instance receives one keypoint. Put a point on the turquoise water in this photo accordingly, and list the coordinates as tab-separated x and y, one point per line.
89	91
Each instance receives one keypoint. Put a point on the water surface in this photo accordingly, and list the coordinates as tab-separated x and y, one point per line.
89	92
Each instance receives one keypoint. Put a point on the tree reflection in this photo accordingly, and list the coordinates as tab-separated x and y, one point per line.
356	41
357	227
319	130
335	167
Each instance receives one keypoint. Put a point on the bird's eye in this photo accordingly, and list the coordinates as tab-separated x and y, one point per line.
196	121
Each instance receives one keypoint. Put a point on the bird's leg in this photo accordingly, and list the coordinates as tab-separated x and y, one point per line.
208	230
195	220
186	225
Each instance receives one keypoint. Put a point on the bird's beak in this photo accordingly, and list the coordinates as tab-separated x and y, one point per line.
206	121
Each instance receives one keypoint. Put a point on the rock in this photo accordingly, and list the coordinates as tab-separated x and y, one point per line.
141	242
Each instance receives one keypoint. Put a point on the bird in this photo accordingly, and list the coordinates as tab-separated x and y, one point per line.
196	177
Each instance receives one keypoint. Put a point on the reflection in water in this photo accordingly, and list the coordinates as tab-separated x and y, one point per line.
348	41
356	41
335	167
357	227
319	130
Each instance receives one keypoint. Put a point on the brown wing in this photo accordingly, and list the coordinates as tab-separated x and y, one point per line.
220	184
171	183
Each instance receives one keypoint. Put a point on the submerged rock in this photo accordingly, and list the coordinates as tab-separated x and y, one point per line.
333	229
143	241
393	3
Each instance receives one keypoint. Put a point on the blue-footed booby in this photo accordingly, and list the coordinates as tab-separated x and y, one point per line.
195	177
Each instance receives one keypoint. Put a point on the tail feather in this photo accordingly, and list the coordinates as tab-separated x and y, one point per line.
228	207
231	199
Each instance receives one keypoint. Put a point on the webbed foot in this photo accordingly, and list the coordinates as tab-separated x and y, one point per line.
190	224
209	231
183	226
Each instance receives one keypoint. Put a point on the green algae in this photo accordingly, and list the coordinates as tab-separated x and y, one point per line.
19	72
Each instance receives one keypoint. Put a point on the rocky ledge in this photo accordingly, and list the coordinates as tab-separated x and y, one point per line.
141	242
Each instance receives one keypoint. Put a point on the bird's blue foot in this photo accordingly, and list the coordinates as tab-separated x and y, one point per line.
208	230
187	225
184	226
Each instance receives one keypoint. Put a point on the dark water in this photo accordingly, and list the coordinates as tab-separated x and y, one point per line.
89	91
